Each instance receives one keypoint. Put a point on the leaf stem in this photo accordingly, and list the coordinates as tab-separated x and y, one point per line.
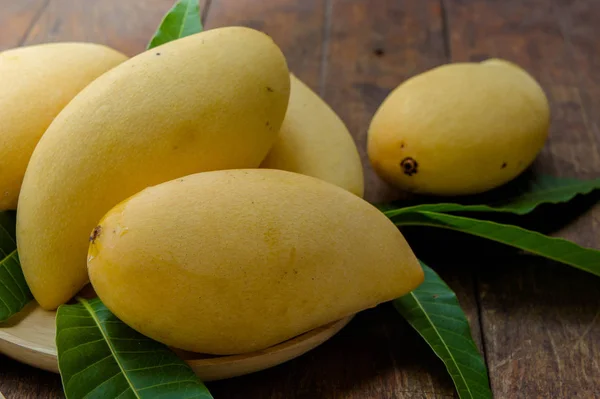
113	352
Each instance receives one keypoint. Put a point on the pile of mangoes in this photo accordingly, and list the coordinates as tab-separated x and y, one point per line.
214	201
176	183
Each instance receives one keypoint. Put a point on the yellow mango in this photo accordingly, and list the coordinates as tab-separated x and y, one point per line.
37	82
459	129
314	141
235	261
213	100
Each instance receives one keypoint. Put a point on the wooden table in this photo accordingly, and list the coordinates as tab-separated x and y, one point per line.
537	322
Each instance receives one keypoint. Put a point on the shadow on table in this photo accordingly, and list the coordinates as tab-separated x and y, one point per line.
376	355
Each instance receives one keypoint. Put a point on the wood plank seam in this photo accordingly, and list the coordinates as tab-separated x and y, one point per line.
34	21
446	30
328	6
204	11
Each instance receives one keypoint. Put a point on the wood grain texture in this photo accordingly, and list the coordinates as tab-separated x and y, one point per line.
16	19
541	321
20	381
296	26
126	26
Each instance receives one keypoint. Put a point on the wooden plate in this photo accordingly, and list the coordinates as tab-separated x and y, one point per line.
29	338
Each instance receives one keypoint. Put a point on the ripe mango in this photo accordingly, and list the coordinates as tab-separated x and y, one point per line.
214	100
314	141
235	261
37	82
459	129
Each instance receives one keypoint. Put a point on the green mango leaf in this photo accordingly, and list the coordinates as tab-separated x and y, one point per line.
14	292
556	249
99	356
434	312
521	198
182	20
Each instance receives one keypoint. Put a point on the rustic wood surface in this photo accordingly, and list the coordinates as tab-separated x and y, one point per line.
536	322
542	320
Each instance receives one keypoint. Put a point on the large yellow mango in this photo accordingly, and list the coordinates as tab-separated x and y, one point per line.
213	100
314	141
36	83
235	261
459	129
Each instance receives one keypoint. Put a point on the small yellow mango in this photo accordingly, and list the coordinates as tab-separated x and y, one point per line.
236	261
459	129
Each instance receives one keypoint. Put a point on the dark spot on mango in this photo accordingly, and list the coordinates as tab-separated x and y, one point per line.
95	233
409	166
270	89
157	53
379	52
503	165
402	145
